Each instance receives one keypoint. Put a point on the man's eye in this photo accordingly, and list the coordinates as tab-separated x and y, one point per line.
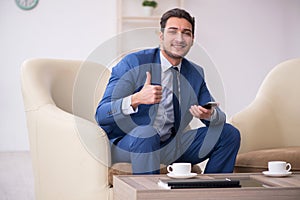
173	32
187	34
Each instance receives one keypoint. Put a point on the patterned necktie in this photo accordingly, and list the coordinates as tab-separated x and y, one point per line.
176	99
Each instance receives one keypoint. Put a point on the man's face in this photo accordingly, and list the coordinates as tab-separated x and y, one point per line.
177	37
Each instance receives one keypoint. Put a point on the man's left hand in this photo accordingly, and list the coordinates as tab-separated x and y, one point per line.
200	112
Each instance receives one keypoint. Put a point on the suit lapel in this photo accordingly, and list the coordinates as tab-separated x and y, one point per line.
155	70
187	94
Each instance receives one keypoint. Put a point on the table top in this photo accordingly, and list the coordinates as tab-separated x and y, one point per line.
149	182
146	186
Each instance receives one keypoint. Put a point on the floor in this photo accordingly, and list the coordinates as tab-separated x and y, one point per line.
16	176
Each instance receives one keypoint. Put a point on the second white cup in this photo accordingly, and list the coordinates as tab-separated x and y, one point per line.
180	168
279	166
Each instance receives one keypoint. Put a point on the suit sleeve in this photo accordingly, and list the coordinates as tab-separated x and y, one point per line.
109	109
204	97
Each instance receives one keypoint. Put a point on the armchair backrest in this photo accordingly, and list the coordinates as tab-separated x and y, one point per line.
272	120
64	83
45	80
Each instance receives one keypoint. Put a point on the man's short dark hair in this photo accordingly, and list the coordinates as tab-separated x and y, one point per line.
176	12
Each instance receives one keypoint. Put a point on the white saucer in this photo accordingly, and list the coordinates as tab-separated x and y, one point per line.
268	173
190	175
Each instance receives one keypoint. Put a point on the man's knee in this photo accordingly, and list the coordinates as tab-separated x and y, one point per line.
143	132
144	139
232	133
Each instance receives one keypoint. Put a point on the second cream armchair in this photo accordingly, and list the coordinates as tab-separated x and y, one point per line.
270	125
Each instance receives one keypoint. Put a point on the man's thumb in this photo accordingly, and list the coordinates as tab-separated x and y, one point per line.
148	78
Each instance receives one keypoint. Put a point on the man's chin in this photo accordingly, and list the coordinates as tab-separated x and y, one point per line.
175	55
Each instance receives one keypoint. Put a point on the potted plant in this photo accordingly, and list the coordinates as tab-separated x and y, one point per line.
149	7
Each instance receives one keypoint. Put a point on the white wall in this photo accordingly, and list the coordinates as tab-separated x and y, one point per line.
68	29
244	38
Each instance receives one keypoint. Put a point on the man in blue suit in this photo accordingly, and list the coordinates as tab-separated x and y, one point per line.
151	97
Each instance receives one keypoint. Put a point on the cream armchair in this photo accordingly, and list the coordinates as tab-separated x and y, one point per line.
270	125
70	153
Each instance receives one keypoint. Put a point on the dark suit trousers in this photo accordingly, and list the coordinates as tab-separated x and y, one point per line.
142	147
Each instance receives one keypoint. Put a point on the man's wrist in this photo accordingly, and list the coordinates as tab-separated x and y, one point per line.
134	101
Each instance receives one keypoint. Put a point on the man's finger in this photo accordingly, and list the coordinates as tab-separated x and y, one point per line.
148	78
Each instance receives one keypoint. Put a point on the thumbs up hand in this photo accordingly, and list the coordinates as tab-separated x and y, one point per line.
149	94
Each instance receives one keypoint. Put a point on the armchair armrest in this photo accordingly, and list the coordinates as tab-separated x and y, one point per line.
70	155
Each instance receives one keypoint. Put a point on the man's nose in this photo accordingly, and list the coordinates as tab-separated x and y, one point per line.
179	36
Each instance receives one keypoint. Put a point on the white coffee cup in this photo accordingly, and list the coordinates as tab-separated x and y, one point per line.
180	168
279	166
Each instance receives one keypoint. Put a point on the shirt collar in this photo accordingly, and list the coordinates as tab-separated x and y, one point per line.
165	64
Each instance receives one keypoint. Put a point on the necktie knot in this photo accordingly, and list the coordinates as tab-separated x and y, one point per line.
175	68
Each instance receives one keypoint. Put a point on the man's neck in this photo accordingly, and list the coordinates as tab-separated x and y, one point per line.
173	61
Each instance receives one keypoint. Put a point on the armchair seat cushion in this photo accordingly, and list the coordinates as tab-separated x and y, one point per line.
125	169
257	161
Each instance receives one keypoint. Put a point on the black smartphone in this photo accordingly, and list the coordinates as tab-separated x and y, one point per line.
210	105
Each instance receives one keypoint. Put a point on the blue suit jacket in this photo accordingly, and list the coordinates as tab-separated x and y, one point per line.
129	76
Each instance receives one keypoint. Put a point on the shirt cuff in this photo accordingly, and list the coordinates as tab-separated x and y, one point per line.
126	106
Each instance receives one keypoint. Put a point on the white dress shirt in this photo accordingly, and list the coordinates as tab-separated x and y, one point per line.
164	120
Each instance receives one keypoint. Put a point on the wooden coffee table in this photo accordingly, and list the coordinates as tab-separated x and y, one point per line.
137	187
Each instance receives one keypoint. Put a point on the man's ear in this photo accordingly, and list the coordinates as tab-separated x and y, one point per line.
161	36
193	41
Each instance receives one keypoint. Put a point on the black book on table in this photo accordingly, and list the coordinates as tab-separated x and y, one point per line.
198	183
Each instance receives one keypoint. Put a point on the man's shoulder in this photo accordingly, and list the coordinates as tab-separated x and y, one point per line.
146	51
192	67
145	55
190	63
